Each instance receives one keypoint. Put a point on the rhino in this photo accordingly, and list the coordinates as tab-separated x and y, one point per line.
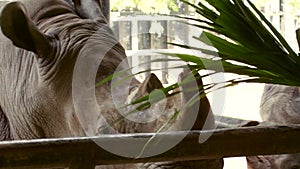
41	44
280	104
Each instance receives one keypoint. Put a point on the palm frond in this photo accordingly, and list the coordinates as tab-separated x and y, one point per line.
240	32
245	43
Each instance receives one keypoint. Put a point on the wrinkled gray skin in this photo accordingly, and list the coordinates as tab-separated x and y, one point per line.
280	104
40	44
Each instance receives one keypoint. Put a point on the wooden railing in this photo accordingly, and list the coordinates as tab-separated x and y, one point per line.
84	153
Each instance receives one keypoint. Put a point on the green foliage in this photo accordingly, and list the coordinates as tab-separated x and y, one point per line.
241	33
246	44
148	7
295	6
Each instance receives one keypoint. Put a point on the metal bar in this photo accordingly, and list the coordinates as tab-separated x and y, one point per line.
246	141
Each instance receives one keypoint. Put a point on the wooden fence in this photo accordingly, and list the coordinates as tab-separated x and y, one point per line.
84	153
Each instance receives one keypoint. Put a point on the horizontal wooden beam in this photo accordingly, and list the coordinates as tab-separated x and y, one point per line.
222	143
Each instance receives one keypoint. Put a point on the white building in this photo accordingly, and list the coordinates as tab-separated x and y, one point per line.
285	16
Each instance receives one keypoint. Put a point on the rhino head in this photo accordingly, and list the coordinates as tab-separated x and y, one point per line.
37	70
279	105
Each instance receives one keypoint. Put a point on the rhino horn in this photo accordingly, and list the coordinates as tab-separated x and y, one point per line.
17	26
89	9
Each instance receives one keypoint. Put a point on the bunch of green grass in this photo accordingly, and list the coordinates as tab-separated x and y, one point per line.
240	33
246	44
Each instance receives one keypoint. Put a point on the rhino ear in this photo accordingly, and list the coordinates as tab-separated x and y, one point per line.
19	28
149	84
